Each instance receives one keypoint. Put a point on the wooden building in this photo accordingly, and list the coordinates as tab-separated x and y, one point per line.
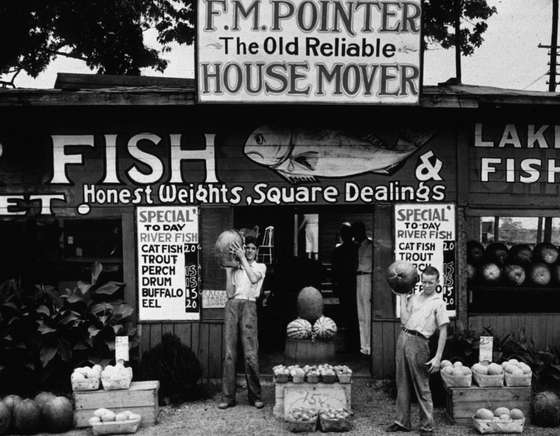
78	162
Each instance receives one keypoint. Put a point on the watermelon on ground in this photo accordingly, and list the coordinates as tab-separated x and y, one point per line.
5	418
58	415
546	409
27	417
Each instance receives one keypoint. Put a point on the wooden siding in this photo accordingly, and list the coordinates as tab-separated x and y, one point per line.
384	336
204	338
542	328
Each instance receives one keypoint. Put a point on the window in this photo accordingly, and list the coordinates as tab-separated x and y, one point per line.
514	264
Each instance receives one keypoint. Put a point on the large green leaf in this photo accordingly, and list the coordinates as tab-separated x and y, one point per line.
109	288
47	354
44	328
101	307
93	331
122	311
42	309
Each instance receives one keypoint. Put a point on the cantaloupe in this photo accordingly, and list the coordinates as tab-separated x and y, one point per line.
516	414
484	414
500	411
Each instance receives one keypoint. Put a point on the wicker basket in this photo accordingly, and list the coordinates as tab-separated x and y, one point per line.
123	383
498	426
281	378
329	378
518	380
337	425
487	381
454	381
312	378
90	384
344	377
301	426
298	378
116	427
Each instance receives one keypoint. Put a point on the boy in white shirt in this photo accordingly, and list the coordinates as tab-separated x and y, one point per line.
421	315
243	288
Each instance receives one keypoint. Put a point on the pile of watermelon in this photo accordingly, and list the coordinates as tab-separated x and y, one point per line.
518	265
46	412
311	323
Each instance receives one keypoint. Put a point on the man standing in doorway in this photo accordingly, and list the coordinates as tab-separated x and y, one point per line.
421	316
243	288
363	285
344	264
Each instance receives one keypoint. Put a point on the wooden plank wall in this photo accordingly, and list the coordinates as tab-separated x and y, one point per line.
384	337
541	328
204	338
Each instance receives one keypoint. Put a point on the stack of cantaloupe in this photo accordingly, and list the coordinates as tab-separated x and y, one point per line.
487	374
517	373
456	374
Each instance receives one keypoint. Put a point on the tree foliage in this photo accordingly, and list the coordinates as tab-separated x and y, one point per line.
439	19
108	34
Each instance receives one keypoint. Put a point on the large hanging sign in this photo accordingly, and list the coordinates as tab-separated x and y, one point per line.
168	263
312	51
425	235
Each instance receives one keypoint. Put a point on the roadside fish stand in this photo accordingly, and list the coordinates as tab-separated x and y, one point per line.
141	175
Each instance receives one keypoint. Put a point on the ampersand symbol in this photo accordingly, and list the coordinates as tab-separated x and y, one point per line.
426	170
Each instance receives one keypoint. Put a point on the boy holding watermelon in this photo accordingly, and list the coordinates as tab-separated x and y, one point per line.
243	288
422	315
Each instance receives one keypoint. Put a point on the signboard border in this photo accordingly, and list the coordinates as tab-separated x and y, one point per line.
199	252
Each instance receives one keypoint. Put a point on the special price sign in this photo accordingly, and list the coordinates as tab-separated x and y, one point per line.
322	51
168	263
425	235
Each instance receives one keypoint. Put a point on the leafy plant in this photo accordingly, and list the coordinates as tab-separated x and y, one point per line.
462	344
176	367
49	333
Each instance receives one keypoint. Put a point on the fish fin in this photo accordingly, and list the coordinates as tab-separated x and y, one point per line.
391	169
308	159
297	180
416	136
374	140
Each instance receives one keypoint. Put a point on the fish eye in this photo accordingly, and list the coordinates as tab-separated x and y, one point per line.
259	138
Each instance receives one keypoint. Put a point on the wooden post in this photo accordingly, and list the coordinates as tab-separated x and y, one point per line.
553	47
458	8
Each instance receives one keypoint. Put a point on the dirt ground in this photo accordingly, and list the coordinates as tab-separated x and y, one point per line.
373	410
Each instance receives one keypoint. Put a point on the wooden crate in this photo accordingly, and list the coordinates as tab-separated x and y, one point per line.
462	403
141	398
308	351
281	389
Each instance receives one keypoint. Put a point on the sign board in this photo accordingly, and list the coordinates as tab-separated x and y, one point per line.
425	235
121	348
315	51
214	299
168	263
318	397
485	348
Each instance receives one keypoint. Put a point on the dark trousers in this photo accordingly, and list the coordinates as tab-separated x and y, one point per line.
412	374
241	319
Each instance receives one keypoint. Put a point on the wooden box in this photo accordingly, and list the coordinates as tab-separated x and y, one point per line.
316	393
462	403
141	398
308	351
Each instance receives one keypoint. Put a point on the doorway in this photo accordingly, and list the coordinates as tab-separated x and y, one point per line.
297	244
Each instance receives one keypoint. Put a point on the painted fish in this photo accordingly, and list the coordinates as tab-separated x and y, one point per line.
301	155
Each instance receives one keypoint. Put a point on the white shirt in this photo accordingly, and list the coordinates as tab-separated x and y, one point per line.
242	286
423	315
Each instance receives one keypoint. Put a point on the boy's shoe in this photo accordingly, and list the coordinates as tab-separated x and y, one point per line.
225	405
258	404
395	427
426	432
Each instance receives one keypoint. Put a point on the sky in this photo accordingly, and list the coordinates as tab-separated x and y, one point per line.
509	57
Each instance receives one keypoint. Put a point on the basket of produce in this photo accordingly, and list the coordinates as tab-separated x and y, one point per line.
86	378
335	420
501	420
344	373
116	377
312	374
455	375
281	374
517	373
488	375
105	421
300	420
327	373
297	374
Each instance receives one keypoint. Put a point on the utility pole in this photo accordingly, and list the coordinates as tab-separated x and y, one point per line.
458	7
553	47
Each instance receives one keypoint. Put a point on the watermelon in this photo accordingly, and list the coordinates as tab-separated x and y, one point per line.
497	252
299	329
42	397
5	418
521	254
546	409
475	252
324	328
310	304
222	246
27	417
546	252
58	415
